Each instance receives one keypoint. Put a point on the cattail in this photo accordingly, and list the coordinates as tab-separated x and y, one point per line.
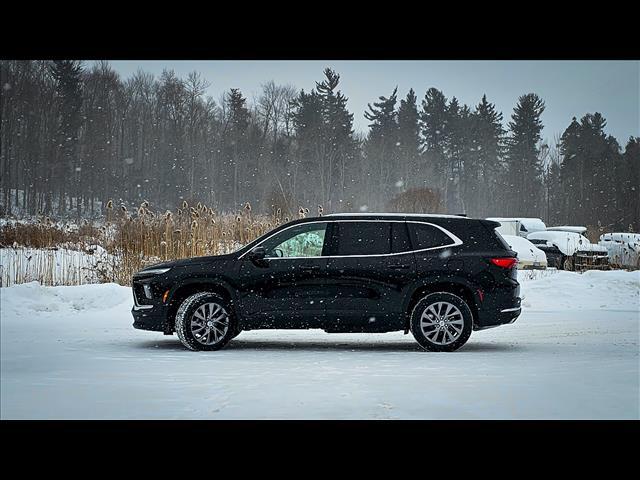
194	224
144	204
123	208
238	219
247	207
110	204
184	204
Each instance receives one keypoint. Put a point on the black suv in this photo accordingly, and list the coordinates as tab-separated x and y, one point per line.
440	276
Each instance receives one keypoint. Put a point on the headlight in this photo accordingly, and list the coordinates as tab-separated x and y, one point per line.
155	271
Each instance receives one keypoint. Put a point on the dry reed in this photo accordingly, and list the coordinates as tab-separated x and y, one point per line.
131	241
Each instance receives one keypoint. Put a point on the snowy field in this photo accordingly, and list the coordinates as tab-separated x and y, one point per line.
71	353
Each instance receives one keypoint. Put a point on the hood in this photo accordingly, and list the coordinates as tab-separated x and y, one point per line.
183	262
567	242
527	251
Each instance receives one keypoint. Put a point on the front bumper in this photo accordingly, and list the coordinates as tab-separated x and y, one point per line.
145	318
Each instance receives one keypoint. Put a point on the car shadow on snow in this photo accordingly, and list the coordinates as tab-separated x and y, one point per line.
323	346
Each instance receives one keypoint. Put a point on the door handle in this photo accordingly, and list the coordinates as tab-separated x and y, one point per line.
310	267
399	267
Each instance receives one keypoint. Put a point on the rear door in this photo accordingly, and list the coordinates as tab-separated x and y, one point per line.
368	268
432	255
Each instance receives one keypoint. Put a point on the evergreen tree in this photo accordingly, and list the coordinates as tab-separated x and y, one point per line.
628	182
409	140
459	144
571	171
381	148
434	128
598	163
488	154
524	167
236	142
338	145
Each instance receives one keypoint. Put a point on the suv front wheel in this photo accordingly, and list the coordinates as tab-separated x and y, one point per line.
205	322
441	322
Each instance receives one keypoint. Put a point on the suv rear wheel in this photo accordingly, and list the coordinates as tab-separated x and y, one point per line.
205	322
441	322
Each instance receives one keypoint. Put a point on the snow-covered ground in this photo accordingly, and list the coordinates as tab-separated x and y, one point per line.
70	352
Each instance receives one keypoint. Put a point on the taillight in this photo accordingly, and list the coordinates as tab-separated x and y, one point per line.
504	262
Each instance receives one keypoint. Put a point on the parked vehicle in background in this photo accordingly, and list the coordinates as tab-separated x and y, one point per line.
570	250
567	228
623	249
530	257
521	226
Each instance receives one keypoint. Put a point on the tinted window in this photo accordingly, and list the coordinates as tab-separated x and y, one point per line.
428	236
305	240
363	238
400	238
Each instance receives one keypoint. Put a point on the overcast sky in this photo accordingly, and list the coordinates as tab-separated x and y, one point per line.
569	88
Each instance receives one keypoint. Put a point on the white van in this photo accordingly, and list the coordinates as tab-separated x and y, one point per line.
521	226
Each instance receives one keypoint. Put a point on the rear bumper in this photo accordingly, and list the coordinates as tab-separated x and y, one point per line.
494	315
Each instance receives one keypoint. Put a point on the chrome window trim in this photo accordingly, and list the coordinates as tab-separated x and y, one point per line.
454	238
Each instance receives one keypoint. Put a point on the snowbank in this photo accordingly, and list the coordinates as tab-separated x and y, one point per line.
591	290
32	298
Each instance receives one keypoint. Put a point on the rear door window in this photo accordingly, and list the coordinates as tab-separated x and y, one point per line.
363	238
427	236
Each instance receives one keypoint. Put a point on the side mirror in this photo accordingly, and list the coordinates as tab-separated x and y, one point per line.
257	255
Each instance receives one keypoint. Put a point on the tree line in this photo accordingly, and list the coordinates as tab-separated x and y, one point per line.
74	136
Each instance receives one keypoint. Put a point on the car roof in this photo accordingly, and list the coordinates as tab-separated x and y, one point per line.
400	216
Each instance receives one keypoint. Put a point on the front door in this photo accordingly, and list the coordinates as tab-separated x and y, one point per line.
287	288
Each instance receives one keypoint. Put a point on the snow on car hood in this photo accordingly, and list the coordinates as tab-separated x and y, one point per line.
567	242
527	251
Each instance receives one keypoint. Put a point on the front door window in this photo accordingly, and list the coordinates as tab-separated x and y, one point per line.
305	240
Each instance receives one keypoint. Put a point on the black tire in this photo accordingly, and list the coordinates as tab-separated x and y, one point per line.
185	313
434	298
